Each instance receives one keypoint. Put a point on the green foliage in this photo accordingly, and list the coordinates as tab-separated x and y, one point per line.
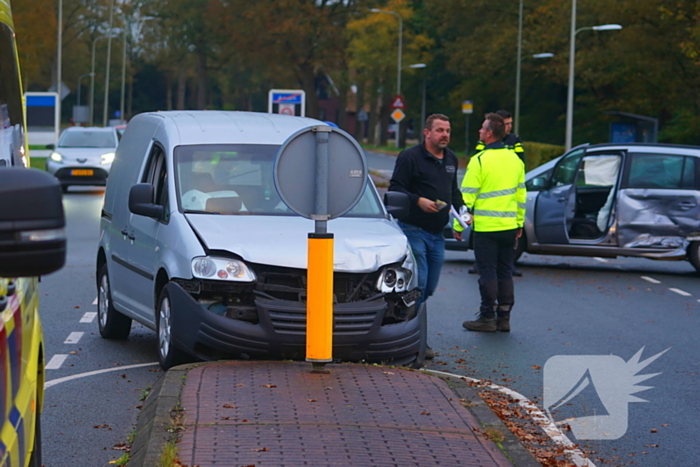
539	153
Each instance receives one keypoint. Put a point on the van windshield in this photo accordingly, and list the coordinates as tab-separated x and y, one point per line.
88	139
238	179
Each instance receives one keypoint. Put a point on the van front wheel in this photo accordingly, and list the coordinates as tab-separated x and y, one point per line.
112	324
694	255
168	355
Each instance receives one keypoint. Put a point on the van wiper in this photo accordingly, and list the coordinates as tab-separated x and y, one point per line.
195	211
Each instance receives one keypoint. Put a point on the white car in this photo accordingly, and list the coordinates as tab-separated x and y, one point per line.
83	156
206	253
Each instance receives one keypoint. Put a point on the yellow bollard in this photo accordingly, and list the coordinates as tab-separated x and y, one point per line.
319	303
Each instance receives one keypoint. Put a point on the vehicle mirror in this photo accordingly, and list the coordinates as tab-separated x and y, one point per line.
538	182
398	204
141	201
50	146
32	223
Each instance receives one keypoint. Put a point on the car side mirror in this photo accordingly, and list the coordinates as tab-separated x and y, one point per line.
141	201
397	204
50	146
538	182
32	223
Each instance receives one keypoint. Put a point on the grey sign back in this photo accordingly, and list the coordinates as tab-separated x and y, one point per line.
320	172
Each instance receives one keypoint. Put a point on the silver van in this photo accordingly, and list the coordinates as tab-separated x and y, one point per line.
196	244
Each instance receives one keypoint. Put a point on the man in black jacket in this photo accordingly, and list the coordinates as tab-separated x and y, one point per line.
427	173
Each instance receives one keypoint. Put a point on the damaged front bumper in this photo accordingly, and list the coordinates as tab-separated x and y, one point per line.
274	328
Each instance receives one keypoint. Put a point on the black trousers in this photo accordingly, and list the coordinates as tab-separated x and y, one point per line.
494	253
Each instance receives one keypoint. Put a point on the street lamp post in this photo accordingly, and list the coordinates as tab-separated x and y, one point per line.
398	73
422	107
80	78
516	125
572	59
92	79
109	57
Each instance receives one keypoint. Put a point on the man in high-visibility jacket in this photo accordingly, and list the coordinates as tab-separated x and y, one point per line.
493	190
510	140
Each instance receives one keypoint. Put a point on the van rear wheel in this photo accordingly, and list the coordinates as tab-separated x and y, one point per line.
112	324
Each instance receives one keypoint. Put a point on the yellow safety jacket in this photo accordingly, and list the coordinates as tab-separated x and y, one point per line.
494	190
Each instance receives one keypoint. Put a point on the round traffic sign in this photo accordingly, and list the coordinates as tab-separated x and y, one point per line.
320	168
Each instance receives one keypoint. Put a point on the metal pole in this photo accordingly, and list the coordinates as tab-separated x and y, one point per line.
59	59
81	77
422	109
121	101
92	82
516	125
109	58
466	134
398	79
570	93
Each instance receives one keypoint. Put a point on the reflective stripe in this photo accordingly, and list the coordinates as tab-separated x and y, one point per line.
469	190
480	212
497	193
522	205
521	185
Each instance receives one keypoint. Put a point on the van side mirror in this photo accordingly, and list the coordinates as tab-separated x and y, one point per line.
51	146
32	223
141	201
397	204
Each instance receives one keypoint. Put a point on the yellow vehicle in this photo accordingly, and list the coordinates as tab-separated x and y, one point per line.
32	243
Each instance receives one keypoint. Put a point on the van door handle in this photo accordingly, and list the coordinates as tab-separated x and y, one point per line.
686	205
562	199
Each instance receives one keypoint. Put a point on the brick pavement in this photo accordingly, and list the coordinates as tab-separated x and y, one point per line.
250	413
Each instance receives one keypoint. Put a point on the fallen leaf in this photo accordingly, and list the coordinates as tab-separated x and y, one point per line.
387	372
268	385
536	367
311	400
262	450
425	413
229	406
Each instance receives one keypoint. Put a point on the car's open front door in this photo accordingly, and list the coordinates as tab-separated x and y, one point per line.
552	204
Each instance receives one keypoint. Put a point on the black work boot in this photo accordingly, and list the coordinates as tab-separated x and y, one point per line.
485	323
503	320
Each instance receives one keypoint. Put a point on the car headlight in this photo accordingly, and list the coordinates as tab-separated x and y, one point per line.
398	278
108	158
222	269
56	157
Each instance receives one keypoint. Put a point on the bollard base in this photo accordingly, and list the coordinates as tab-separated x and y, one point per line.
319	367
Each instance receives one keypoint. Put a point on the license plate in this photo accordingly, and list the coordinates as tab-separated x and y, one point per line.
82	172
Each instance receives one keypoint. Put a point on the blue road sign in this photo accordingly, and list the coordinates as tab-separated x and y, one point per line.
286	97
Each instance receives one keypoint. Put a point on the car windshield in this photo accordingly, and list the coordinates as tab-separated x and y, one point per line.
238	179
88	139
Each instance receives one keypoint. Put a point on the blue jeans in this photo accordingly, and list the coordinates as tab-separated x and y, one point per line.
429	251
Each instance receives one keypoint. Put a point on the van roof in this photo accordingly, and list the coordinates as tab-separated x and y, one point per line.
222	127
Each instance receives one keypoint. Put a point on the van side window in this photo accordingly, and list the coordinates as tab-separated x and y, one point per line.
661	171
156	174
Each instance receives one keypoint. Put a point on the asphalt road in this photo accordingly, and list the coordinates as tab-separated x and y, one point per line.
564	307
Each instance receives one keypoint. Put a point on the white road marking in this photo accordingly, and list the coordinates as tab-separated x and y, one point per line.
54	382
56	362
570	449
94	302
602	260
73	338
680	292
88	317
651	279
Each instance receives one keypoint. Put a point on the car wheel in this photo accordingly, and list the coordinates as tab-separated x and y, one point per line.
694	255
168	355
35	460
112	324
419	361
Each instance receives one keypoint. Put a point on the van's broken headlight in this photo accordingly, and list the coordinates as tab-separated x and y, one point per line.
222	269
398	277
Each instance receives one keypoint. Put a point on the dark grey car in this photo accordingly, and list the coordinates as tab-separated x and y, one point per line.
609	200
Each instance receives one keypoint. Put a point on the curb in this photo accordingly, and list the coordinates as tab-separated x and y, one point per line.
155	420
511	446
